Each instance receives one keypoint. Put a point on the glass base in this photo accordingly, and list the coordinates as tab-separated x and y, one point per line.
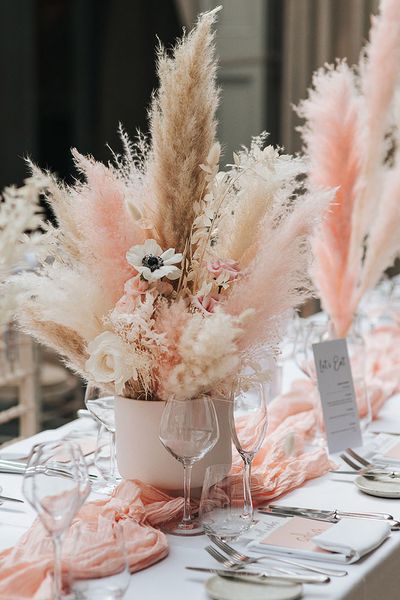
104	487
194	527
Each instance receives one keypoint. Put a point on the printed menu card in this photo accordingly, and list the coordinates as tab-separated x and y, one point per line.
338	398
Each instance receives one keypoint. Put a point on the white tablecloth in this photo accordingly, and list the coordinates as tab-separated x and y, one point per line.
376	577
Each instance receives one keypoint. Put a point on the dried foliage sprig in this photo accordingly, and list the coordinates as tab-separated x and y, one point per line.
20	221
169	275
351	144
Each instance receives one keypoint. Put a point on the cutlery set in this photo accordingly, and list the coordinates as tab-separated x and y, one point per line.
15	467
237	565
369	470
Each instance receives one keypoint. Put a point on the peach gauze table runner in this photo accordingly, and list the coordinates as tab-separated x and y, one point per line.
284	462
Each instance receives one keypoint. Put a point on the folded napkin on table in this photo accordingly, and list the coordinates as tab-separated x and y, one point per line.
343	542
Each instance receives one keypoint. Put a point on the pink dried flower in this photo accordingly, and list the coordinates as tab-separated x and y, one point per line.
224	269
135	286
206	303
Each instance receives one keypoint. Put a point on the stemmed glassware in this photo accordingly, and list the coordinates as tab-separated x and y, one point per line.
248	420
188	430
101	407
89	578
56	484
312	332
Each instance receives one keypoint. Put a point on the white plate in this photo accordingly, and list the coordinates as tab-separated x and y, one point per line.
382	489
222	588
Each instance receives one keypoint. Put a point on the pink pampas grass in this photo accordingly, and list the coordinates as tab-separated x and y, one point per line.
105	225
349	119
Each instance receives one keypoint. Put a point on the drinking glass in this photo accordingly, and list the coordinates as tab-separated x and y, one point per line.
221	503
56	484
312	332
248	421
188	430
89	579
103	461
101	406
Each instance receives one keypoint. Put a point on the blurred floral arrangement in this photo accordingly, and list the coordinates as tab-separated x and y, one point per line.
352	143
20	220
169	274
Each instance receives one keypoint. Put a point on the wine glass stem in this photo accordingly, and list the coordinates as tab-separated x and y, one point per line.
112	457
187	476
57	583
248	503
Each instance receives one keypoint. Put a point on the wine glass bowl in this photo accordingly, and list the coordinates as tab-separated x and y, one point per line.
101	407
188	430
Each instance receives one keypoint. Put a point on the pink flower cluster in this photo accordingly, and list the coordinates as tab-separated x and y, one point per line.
135	288
224	269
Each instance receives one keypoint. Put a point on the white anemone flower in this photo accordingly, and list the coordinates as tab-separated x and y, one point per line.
152	263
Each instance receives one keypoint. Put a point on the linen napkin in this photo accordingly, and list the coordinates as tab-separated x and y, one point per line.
344	542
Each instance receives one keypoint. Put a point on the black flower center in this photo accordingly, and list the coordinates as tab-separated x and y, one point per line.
152	262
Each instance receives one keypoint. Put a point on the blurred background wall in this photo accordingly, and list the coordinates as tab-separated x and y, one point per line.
71	70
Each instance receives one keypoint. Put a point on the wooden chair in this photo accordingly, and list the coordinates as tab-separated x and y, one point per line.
19	370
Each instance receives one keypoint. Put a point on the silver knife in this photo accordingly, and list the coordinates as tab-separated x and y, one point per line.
9	499
261	575
330	513
322	516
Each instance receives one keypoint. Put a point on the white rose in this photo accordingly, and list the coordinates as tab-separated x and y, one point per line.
109	361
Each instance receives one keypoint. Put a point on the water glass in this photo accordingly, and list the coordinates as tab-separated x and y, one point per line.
221	503
98	567
188	430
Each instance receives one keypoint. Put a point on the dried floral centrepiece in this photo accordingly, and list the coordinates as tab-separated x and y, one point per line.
169	274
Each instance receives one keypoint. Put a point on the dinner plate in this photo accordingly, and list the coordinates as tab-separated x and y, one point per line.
374	487
222	588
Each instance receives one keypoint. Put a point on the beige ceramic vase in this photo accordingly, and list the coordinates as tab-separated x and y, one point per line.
141	455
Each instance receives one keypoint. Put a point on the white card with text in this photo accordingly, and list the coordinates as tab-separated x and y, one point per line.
338	399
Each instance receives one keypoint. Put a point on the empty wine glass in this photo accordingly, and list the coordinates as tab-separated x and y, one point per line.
103	461
188	430
248	420
89	577
312	332
221	504
101	407
56	484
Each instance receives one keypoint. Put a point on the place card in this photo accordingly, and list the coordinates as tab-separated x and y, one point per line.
338	398
297	533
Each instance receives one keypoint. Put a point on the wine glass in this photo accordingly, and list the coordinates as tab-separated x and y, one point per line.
188	430
103	459
89	577
221	503
312	332
56	484
101	407
248	421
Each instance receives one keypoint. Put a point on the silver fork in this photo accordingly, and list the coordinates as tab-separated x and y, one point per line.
243	559
232	564
371	471
272	572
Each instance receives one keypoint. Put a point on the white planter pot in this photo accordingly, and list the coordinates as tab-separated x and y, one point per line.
141	455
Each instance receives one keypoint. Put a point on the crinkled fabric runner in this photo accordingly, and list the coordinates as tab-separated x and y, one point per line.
284	463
